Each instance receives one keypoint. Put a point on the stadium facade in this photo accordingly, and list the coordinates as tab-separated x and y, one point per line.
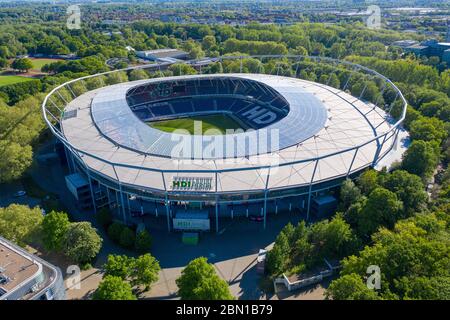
298	141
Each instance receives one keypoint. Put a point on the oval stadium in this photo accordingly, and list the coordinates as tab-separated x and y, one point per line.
195	149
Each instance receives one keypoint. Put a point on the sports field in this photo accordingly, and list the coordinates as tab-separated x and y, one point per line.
39	63
221	122
7	80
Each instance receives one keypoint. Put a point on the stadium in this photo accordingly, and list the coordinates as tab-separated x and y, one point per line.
195	149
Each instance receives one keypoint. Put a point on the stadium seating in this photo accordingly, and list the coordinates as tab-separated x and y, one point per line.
246	99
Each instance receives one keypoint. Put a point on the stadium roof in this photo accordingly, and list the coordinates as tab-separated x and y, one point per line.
349	122
114	118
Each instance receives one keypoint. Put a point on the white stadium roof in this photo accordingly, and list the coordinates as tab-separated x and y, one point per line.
324	121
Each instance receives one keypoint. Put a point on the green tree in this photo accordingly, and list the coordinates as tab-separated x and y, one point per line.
382	209
428	129
332	239
349	193
413	257
14	160
278	257
82	242
421	158
3	63
20	223
179	69
143	241
113	288
350	287
116	77
115	230
127	238
368	181
138	74
208	42
118	266
145	271
409	189
104	217
199	281
22	64
54	228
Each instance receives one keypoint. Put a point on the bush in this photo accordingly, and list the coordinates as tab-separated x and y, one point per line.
115	230
104	217
127	238
82	242
143	241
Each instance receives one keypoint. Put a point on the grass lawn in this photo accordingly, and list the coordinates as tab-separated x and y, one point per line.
7	80
216	121
39	63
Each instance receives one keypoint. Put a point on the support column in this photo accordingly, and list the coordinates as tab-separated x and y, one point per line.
92	192
310	190
265	208
166	202
217	215
122	204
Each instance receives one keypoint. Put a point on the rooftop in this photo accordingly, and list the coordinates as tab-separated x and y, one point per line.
163	53
15	268
349	122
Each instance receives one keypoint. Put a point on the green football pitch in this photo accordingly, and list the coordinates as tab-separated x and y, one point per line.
220	122
7	80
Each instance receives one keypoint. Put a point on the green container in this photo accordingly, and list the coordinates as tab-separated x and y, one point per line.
190	238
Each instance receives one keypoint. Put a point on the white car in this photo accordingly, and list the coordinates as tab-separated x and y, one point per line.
20	193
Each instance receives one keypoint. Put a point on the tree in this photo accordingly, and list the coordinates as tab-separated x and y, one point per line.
115	230
332	239
428	129
278	257
82	242
104	217
3	63
421	158
382	209
368	181
350	287
349	193
127	238
145	271
118	266
138	74
116	77
409	189
199	281
20	223
113	288
208	42
14	160
179	69
54	228
143	241
412	257
22	64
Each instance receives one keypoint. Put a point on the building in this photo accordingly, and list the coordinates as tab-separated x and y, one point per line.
404	43
26	277
298	141
163	55
431	48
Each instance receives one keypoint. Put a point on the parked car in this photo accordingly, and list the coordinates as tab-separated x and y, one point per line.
256	218
20	193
